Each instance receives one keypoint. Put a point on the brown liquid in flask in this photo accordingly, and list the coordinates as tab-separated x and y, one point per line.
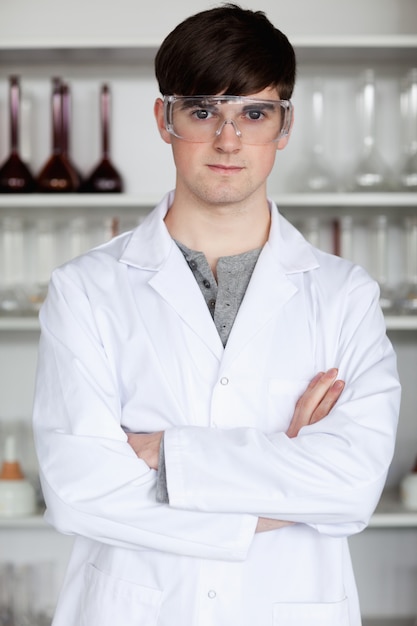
65	132
104	178
15	176
57	175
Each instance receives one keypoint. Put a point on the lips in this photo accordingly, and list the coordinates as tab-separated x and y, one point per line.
225	169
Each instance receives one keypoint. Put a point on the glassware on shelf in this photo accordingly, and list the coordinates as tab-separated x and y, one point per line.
13	299
318	175
27	593
104	178
66	132
310	227
343	237
408	167
406	296
43	589
15	175
57	176
371	172
6	594
40	260
379	230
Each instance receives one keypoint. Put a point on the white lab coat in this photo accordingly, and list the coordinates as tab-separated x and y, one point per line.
128	344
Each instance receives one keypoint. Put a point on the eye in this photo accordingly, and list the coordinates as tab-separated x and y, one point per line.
255	114
201	114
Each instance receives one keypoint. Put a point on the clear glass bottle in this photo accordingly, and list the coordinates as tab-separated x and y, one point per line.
379	230
371	172
317	175
13	299
406	296
408	167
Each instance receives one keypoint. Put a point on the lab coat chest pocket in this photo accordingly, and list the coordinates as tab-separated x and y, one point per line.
108	601
311	614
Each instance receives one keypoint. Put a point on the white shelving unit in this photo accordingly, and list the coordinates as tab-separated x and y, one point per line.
128	65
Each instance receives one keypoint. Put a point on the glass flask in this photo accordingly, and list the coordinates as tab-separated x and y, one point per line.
371	173
40	259
57	176
406	297
15	176
318	175
104	178
66	132
408	168
379	231
13	299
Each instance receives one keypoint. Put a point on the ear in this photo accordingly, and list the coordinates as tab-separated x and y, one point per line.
158	110
282	142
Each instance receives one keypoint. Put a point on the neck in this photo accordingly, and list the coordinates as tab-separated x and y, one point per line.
219	230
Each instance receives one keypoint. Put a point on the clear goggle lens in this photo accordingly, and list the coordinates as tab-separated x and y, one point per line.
201	119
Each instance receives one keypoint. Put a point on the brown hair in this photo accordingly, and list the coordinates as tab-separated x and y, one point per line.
225	50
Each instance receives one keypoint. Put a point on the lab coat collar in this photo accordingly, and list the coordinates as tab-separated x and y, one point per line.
151	244
285	253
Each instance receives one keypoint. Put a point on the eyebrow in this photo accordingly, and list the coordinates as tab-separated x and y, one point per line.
213	102
270	106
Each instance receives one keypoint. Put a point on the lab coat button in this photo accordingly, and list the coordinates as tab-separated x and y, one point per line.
224	381
211	594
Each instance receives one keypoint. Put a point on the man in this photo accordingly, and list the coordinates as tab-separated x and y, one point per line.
216	400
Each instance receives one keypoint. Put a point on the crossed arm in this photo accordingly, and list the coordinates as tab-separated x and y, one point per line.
313	405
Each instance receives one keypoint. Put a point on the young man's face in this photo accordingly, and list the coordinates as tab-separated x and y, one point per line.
224	170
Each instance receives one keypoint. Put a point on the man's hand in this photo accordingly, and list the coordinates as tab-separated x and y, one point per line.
146	447
317	401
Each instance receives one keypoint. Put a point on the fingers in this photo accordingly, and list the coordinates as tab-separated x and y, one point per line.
316	402
328	402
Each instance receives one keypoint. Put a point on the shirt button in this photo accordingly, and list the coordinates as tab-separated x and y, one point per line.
224	381
211	594
212	304
206	284
193	265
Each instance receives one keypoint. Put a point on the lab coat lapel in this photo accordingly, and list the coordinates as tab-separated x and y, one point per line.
152	249
285	254
176	284
267	292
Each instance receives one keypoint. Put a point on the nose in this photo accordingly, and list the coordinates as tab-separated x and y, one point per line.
228	139
233	123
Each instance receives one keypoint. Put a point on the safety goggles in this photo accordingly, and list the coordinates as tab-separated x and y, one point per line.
200	119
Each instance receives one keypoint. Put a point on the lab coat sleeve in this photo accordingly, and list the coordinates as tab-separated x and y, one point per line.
332	474
93	483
